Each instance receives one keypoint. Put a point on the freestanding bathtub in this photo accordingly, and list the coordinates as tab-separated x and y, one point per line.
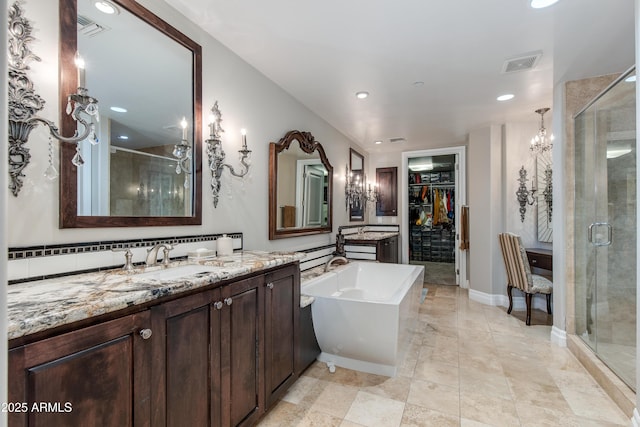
364	314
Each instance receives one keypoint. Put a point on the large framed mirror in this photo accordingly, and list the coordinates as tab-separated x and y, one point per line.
147	77
300	187
356	166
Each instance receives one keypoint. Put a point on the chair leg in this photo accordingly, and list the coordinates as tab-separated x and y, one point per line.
509	288
549	303
528	300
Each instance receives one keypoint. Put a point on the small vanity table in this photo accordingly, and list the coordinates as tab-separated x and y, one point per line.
540	258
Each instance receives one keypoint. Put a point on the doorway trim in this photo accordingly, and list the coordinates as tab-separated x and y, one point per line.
461	199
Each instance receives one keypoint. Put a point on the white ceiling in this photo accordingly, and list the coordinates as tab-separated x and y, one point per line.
323	52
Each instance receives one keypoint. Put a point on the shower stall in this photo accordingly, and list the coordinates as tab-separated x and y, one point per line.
605	226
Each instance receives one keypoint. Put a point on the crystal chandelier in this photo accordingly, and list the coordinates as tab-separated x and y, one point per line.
357	191
541	143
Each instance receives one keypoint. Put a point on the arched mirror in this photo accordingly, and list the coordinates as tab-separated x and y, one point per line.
146	76
300	184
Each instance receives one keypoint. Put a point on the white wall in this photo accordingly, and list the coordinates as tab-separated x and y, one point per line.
246	98
484	165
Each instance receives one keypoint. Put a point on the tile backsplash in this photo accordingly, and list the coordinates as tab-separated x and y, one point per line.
40	262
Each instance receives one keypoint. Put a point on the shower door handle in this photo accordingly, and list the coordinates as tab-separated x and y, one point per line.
609	233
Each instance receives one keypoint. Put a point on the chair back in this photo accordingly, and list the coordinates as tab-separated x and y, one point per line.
515	261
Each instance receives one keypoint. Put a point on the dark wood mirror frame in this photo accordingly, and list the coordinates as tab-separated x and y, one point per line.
308	144
68	84
356	214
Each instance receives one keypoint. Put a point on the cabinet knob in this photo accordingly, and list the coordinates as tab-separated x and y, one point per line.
218	305
228	301
146	334
270	285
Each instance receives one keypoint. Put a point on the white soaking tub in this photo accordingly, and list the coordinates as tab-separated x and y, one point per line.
365	313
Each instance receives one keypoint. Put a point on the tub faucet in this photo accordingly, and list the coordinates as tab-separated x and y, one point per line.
333	259
152	254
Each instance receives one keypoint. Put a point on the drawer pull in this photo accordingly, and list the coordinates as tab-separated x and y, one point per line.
270	285
146	334
228	301
218	305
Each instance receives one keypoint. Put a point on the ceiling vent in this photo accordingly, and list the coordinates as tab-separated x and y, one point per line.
88	28
521	63
397	140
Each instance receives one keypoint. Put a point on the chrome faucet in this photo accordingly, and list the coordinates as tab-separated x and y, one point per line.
152	254
335	258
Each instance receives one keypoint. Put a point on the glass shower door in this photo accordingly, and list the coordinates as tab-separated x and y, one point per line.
605	228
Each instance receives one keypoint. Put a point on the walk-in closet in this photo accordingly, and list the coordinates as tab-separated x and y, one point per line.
432	216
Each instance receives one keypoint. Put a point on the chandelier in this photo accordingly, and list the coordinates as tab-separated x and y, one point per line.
541	143
357	191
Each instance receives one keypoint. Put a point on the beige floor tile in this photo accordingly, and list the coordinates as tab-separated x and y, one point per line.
375	411
488	409
299	389
335	399
435	396
418	416
478	381
437	372
468	365
595	407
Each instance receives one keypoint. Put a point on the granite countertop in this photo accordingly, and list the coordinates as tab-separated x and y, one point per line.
371	235
44	304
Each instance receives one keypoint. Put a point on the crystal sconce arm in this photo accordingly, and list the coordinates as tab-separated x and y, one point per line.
24	103
217	155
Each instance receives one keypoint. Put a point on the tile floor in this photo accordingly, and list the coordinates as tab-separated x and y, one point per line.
469	365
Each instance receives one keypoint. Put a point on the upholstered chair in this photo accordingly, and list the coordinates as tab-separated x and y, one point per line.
519	273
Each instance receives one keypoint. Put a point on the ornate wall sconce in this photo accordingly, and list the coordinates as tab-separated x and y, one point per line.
217	155
525	196
357	192
24	103
548	191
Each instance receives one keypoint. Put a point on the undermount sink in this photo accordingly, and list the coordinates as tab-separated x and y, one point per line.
172	273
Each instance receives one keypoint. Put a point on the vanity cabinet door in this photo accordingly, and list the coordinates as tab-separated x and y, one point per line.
95	376
186	362
387	250
282	312
241	350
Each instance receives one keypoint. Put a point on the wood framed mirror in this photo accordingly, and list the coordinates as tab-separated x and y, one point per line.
140	63
300	187
356	166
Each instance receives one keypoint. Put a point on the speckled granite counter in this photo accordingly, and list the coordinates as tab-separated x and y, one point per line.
44	304
370	235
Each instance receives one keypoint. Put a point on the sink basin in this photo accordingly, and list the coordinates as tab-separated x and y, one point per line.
173	273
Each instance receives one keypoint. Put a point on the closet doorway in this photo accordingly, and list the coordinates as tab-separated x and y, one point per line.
433	192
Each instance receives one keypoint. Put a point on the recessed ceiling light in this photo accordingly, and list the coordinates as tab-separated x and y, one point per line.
630	79
106	7
118	109
123	137
378	142
505	97
418	84
539	4
362	95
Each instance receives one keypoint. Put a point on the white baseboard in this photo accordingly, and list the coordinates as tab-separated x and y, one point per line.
559	337
519	303
635	420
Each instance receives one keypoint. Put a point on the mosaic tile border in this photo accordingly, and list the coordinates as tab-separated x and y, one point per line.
86	247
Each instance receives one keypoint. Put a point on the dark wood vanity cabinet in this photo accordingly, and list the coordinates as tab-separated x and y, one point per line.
95	376
214	358
387	250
